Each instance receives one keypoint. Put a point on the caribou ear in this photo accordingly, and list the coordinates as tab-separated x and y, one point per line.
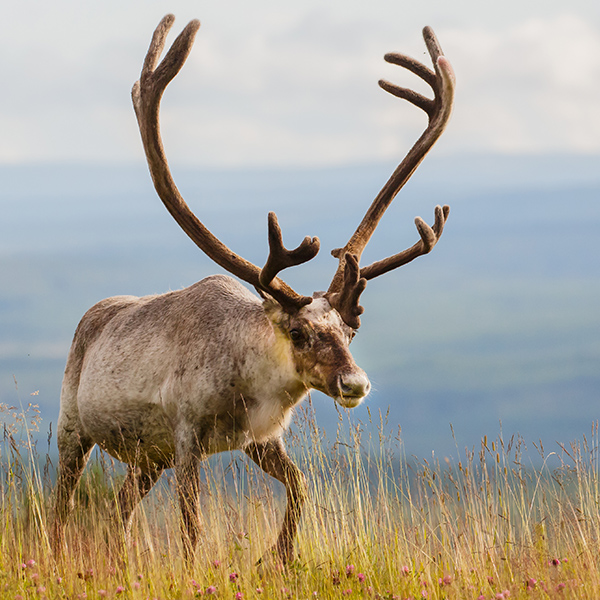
274	310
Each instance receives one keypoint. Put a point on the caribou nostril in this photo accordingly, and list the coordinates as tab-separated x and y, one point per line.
354	385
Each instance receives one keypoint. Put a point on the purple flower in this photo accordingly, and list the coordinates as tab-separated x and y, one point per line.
233	576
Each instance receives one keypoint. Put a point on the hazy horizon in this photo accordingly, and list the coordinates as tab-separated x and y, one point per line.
498	324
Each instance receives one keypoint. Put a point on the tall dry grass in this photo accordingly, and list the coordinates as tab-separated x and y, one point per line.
376	525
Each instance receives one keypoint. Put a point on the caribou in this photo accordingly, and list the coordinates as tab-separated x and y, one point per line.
164	381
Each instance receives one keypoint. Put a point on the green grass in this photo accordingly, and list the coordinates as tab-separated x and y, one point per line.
375	525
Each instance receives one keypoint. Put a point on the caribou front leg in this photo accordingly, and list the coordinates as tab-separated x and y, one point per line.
272	458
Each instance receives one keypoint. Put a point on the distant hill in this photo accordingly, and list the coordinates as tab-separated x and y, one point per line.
499	323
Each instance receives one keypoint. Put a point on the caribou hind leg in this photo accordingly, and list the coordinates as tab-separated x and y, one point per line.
74	451
272	458
187	476
136	486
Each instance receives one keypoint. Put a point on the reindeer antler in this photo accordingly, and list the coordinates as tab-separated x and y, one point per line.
346	300
438	110
280	258
147	94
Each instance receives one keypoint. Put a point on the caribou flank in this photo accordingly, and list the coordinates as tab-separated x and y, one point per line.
163	381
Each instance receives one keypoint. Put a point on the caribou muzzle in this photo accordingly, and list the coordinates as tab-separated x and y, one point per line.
352	388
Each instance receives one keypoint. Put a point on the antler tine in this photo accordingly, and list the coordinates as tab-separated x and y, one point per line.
146	95
438	110
280	258
429	238
346	300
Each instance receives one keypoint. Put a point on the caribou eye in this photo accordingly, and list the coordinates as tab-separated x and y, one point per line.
296	335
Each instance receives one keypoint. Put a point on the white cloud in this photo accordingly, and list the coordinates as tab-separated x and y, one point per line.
296	86
532	87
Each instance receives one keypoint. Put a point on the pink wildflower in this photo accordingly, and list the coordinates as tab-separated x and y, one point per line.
136	585
447	579
405	570
120	589
41	590
259	590
233	576
216	564
560	587
531	583
349	570
347	592
239	596
481	597
211	589
59	580
361	577
31	563
102	593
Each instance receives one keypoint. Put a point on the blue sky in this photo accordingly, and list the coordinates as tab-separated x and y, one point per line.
282	83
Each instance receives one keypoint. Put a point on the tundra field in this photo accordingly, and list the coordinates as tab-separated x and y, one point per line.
376	525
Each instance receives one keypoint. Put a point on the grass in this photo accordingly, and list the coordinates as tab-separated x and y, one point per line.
376	524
